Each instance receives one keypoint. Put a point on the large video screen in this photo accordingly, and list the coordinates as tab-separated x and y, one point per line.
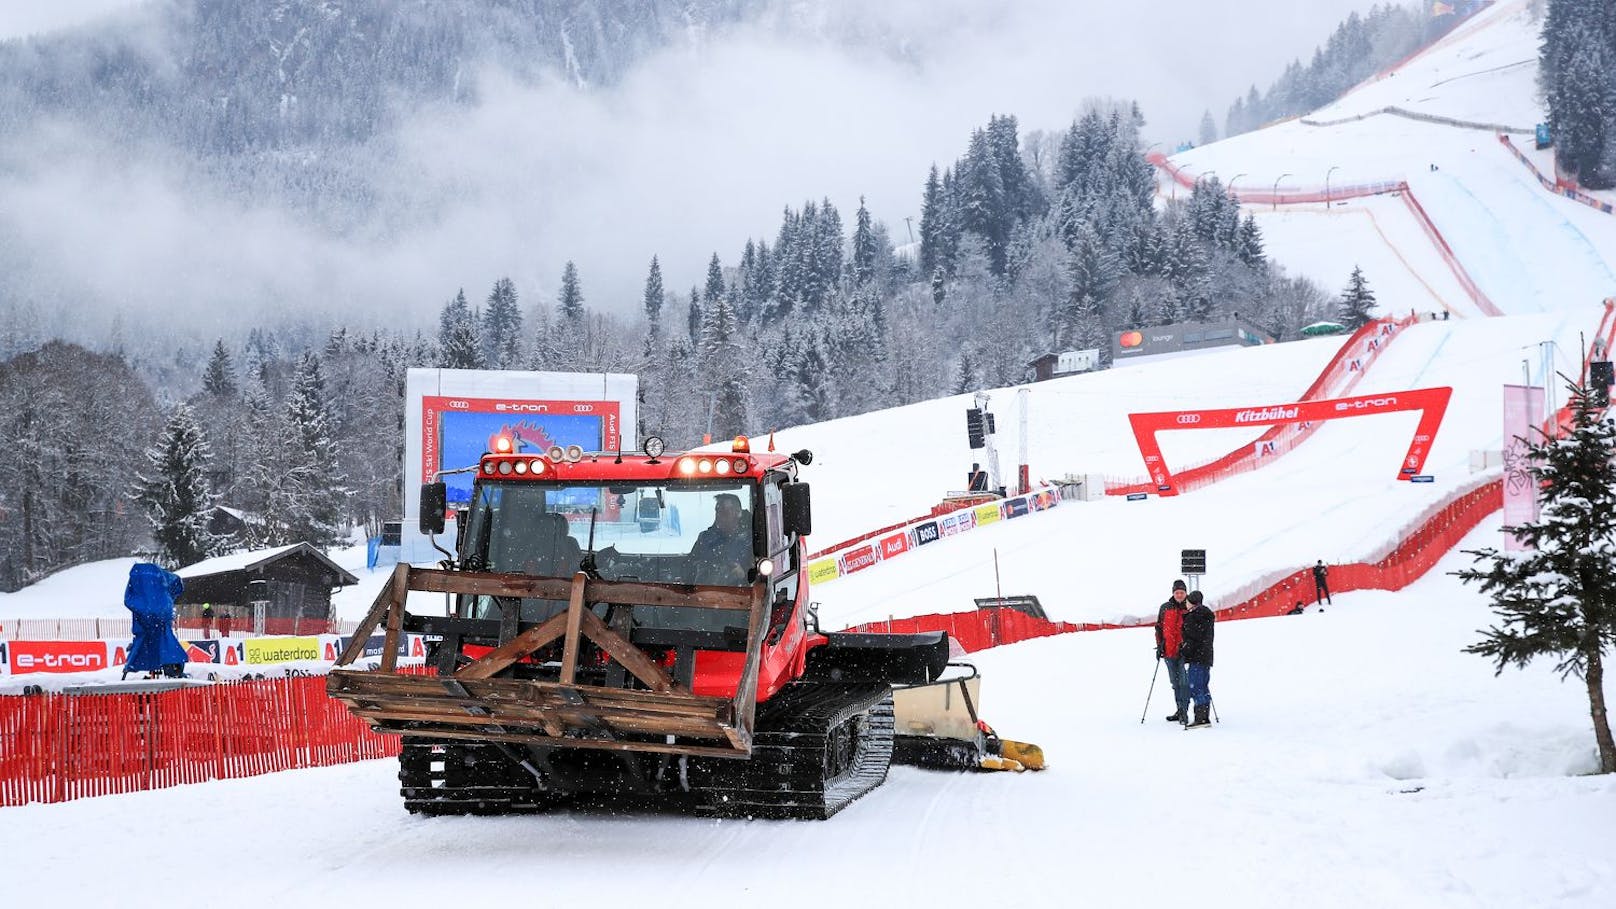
457	431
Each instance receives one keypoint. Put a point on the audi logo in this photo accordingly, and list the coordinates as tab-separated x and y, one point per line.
1185	418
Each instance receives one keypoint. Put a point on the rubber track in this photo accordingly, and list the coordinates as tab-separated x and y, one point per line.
786	776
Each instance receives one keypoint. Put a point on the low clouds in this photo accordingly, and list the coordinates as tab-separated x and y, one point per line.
697	148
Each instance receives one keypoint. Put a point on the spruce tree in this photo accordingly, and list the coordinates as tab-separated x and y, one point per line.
1356	301
319	494
176	497
931	225
653	298
458	347
219	379
501	330
1209	129
865	247
714	288
570	301
1558	598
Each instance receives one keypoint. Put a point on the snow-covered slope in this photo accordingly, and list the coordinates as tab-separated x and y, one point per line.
1528	250
1361	760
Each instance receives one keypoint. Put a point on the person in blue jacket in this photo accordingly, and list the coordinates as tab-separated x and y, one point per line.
1199	624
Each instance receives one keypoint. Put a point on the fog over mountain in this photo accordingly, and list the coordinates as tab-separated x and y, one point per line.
201	160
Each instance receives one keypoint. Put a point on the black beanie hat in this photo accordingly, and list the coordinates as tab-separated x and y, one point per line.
1195	597
1180	585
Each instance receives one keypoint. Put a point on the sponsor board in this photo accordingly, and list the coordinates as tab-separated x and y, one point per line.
1422	478
1015	508
858	559
986	514
204	651
1137	496
926	533
896	544
373	646
280	650
58	656
5	660
823	570
958	522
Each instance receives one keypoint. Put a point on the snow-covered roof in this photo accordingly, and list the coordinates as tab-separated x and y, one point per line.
242	561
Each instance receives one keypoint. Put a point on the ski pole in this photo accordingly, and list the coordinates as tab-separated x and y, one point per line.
1214	705
1151	691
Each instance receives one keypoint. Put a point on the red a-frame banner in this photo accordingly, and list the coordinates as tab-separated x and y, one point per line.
1431	402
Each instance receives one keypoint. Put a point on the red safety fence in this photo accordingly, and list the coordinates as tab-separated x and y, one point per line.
1559	185
1411	558
56	747
1330	195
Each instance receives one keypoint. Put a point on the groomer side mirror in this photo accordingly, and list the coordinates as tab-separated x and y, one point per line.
434	499
798	517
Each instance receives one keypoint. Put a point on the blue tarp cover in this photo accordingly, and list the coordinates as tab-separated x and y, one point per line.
150	596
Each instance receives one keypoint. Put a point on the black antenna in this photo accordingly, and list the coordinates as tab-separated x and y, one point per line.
588	563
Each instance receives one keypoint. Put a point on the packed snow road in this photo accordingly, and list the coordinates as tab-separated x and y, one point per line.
1361	760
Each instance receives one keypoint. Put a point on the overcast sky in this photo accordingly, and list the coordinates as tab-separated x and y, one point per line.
696	150
20	18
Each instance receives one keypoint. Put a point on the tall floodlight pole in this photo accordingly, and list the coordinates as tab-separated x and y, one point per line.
1276	190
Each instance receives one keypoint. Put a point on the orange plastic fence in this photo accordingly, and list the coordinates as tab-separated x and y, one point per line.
1412	557
56	747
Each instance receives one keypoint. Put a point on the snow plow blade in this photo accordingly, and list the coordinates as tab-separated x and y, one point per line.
937	727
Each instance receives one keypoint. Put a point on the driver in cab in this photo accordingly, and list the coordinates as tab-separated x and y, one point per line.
723	552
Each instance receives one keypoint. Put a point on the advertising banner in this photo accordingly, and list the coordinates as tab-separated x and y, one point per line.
5	659
280	650
858	559
896	544
1523	410
958	522
986	514
1432	404
1015	508
201	651
373	646
823	570
58	656
926	533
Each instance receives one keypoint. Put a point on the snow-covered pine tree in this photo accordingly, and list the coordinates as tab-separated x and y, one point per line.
219	379
1209	129
1248	245
319	503
1091	272
694	317
570	300
1357	301
501	331
714	289
1558	598
458	347
865	247
175	495
931	226
653	298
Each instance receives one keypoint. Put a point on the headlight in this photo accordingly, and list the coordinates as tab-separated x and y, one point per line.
488	467
654	446
740	466
765	567
556	453
504	467
521	467
575	453
538	466
723	466
687	466
705	465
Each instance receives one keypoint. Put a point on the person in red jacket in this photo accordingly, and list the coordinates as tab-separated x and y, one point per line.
1169	638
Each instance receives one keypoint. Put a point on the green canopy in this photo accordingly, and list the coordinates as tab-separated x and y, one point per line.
1323	328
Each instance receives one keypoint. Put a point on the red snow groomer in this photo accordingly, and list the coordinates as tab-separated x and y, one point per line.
639	625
